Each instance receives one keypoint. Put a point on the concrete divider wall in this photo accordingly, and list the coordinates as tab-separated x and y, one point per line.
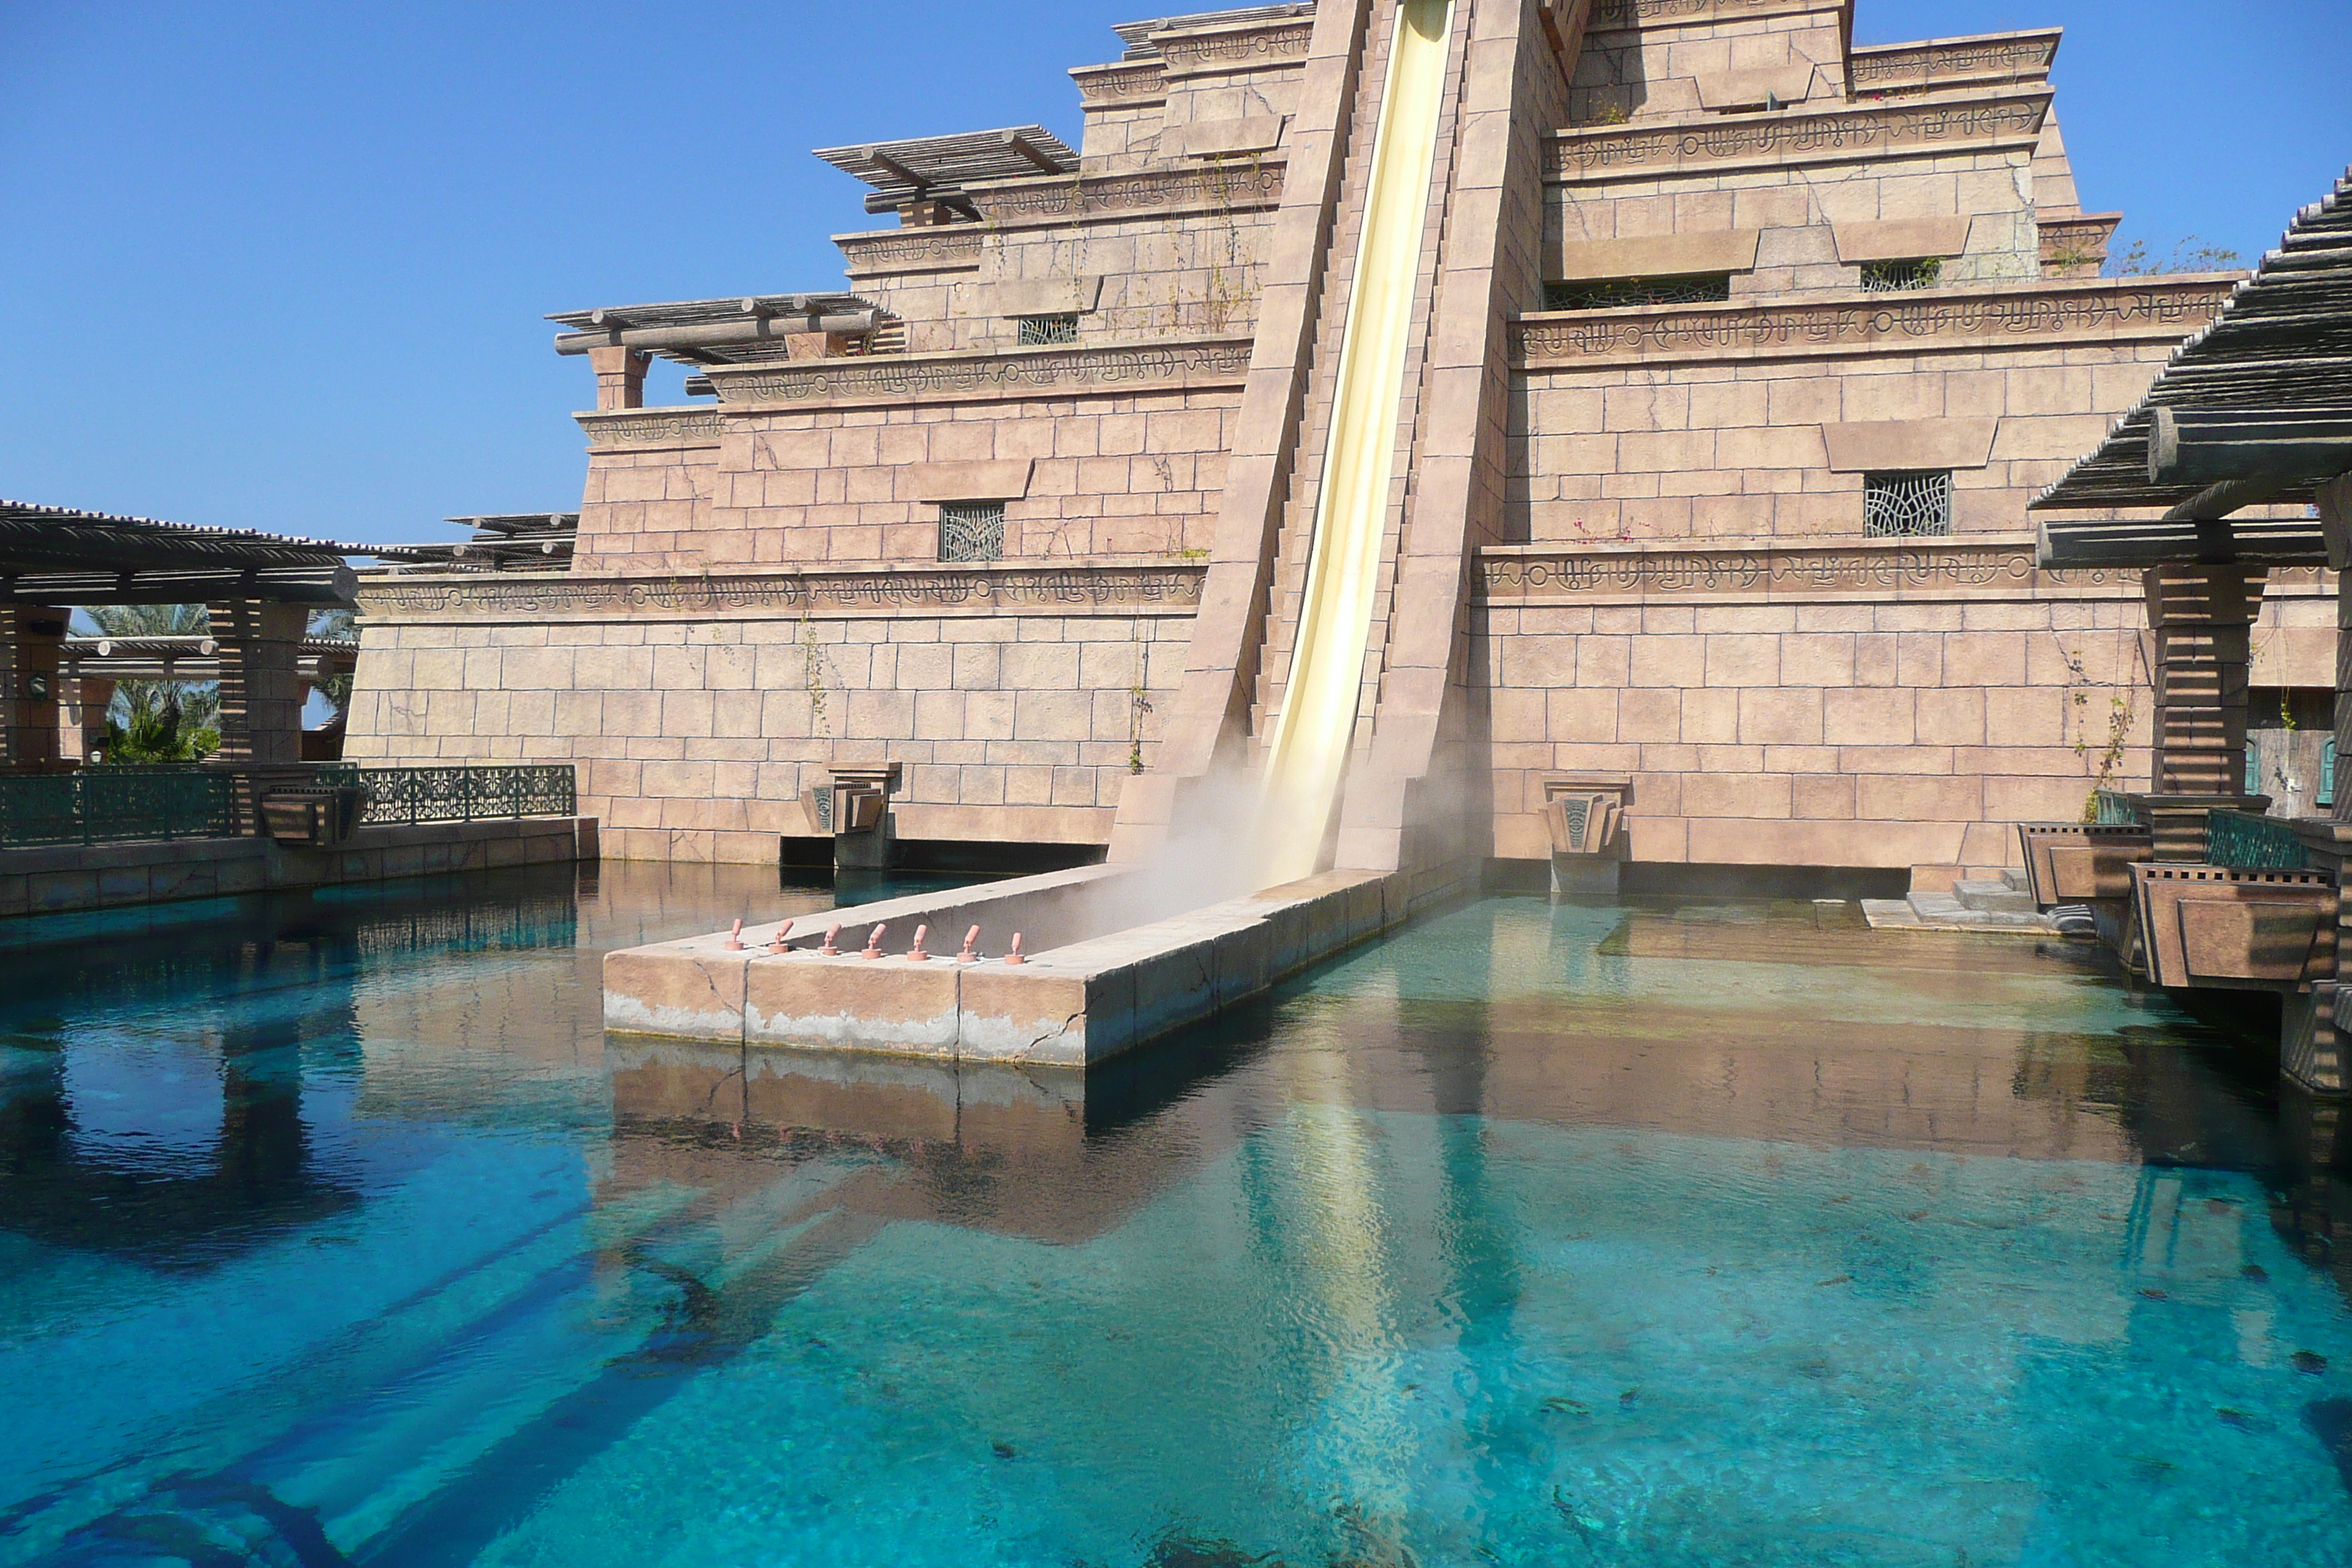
1069	1005
68	877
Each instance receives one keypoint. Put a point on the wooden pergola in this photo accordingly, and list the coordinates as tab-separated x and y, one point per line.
260	589
2253	412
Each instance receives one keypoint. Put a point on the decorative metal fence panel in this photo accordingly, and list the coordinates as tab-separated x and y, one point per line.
2243	842
2113	808
403	796
116	805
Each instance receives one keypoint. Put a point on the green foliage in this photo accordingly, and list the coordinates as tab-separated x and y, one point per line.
157	736
194	703
2192	255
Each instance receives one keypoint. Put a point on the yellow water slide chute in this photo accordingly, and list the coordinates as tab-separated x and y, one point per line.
1307	759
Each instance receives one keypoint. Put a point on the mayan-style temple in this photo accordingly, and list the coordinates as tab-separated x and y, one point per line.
1507	427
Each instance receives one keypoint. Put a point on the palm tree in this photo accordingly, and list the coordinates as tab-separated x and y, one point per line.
159	720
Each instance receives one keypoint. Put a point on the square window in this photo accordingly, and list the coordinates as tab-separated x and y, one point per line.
1702	288
1901	277
1907	506
1030	330
971	530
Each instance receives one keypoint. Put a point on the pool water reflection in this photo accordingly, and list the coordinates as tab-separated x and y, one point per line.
335	1230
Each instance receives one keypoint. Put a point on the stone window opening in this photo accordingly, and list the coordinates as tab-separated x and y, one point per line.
1029	332
1613	293
971	530
1901	277
1907	505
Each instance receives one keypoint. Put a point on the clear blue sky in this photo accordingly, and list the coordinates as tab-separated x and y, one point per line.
283	266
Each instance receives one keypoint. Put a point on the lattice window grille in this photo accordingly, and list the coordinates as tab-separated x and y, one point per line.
1907	506
1033	331
1707	288
1901	277
971	530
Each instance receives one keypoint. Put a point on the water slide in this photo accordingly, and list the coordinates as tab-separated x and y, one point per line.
1307	759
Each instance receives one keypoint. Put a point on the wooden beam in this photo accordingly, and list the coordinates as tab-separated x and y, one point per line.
1037	155
2208	445
335	585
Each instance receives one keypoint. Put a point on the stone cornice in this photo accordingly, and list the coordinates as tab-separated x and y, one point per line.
653	428
1121	85
1182	365
1017	588
1248	46
1513	576
1944	62
1624	15
952	248
2029	315
1978	123
1236	186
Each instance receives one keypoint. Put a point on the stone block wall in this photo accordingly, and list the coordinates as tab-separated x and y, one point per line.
1867	706
696	729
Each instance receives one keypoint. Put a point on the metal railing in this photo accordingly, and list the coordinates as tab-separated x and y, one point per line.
2243	842
2113	808
116	805
404	796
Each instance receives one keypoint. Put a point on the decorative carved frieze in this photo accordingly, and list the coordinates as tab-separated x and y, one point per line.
1012	589
1879	130
1622	16
1118	86
1915	569
1237	186
1014	373
1231	48
2017	56
951	248
653	428
2100	309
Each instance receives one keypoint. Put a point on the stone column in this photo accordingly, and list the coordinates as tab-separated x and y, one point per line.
620	377
2203	620
32	647
82	723
260	683
2315	1027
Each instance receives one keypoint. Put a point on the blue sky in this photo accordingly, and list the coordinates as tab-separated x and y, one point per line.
283	266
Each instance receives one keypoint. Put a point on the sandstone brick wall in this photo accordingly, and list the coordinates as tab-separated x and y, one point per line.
1832	729
695	737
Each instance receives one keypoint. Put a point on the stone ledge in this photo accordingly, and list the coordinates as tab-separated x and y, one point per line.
2033	315
1114	586
1079	999
66	877
903	381
1923	127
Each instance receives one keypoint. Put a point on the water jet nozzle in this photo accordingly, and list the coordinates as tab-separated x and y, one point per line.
776	943
735	937
1014	956
916	951
874	942
970	938
832	934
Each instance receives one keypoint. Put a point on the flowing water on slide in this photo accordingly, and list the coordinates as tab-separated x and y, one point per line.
1307	759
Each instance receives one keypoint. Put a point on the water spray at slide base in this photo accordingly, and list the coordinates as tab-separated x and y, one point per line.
1244	890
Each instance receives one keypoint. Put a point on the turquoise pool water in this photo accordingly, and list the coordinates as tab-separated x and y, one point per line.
335	1230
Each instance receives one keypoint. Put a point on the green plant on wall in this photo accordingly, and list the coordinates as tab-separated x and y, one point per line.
812	676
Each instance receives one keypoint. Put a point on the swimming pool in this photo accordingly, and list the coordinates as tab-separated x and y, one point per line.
335	1230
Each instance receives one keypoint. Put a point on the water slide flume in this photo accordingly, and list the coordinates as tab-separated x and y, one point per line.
1117	954
1306	761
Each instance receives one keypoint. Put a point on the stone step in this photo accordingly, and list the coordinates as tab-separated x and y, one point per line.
1999	898
1945	913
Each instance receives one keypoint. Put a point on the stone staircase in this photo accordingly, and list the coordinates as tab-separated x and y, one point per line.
1983	899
